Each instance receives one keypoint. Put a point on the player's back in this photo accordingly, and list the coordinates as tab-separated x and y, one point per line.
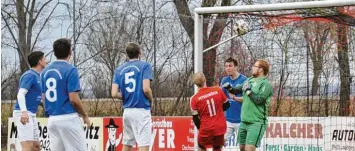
58	80
129	77
209	102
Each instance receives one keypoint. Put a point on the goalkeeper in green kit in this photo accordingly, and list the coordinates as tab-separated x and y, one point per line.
257	92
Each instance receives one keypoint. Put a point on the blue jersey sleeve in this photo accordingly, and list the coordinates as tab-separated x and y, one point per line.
147	72
73	81
116	77
27	81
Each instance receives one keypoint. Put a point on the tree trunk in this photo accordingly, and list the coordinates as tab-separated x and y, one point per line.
317	69
316	35
343	60
21	18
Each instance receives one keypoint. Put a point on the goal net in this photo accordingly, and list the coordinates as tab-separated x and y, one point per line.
310	47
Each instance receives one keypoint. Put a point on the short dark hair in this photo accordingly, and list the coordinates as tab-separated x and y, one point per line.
230	59
34	57
61	48
133	50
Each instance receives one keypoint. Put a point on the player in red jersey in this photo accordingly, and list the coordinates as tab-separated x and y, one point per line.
208	106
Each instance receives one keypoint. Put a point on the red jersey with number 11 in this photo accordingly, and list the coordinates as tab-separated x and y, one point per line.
208	103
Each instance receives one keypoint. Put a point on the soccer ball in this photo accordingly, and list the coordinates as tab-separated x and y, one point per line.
241	27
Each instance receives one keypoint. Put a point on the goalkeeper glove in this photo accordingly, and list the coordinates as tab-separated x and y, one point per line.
247	86
230	89
227	86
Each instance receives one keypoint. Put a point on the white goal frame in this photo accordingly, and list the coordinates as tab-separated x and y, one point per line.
198	27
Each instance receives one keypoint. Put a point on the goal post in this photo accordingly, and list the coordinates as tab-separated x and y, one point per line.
199	20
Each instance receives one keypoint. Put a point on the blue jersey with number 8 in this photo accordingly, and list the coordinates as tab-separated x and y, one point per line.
58	79
129	77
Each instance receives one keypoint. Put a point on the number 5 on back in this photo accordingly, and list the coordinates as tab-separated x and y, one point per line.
129	79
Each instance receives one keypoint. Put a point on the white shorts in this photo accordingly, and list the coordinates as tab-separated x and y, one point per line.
232	129
137	127
29	131
66	133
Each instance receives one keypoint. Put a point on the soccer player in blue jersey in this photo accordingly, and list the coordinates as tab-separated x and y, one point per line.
61	86
233	113
131	83
28	99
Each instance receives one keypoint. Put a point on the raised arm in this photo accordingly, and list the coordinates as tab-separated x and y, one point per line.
236	90
265	91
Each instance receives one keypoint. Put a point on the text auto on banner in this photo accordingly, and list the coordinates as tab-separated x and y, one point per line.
342	134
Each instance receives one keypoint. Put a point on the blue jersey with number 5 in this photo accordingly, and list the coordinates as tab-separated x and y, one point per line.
129	77
58	80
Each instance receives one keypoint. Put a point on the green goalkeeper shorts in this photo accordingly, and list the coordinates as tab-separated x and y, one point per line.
251	133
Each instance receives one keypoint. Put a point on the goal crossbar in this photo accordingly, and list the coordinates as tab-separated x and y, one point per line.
274	7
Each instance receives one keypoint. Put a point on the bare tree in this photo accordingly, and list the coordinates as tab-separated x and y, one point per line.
85	15
316	35
344	67
217	23
175	76
284	39
107	38
9	78
27	17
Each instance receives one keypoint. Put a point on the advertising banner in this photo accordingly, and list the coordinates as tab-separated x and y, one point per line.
177	134
295	134
93	135
14	143
342	134
168	134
